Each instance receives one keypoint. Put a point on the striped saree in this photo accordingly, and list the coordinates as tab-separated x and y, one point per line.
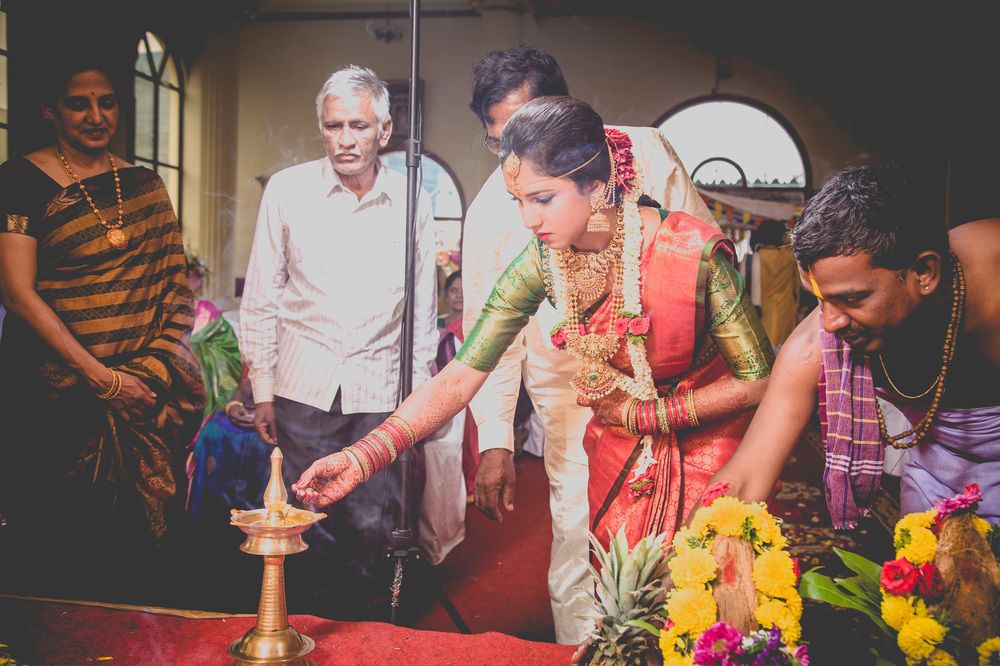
131	309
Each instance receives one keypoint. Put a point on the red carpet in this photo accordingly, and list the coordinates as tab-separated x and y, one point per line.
497	578
57	633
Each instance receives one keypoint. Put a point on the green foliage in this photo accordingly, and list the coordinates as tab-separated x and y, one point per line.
861	592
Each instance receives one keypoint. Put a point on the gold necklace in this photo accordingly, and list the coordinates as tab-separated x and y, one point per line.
895	388
587	272
947	356
116	237
595	378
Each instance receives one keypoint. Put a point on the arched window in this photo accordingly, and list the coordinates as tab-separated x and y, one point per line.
736	143
446	202
4	139
159	99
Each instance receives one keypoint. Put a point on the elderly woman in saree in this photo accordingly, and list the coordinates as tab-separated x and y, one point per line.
99	391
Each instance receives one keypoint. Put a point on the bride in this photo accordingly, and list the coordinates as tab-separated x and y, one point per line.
672	357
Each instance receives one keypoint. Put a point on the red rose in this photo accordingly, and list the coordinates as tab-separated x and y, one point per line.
795	567
899	577
713	492
559	338
639	326
621	326
930	585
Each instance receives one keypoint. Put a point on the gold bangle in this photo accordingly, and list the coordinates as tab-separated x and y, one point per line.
407	428
692	415
386	441
633	417
365	472
626	406
661	416
229	404
116	386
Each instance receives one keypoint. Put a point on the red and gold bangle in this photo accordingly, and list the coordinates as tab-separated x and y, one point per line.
411	434
366	447
362	460
386	444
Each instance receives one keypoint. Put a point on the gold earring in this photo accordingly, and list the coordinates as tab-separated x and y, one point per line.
598	222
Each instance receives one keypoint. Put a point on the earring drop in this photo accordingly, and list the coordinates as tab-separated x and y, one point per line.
597	222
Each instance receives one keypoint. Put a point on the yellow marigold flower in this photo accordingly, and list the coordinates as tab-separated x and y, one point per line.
668	639
693	568
776	612
988	650
673	659
773	572
727	515
699	523
793	601
982	526
896	611
767	526
919	606
922	546
941	658
692	609
682	539
919	636
920	519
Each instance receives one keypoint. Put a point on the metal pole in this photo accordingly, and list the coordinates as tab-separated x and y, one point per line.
402	537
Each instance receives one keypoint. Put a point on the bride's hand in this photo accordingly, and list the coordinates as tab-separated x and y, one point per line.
608	408
327	480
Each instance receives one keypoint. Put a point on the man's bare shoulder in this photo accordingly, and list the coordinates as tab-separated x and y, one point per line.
976	242
801	353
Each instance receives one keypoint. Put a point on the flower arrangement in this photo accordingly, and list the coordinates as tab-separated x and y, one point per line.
928	598
693	632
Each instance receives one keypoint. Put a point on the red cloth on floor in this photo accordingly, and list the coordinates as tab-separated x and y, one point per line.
59	633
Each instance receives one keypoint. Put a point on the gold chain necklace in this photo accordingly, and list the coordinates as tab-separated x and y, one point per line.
895	388
947	356
116	237
587	272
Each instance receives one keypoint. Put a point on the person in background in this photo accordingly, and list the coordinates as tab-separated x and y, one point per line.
774	283
99	390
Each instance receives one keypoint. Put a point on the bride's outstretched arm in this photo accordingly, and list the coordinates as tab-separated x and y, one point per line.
428	408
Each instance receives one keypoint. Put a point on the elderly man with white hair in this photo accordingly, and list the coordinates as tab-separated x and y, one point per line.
321	317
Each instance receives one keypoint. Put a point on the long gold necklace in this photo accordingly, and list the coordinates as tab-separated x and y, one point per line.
587	272
595	378
116	237
947	356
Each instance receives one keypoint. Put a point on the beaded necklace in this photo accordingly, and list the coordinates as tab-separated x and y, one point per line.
947	356
116	237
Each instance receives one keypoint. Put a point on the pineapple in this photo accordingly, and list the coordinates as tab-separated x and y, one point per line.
629	589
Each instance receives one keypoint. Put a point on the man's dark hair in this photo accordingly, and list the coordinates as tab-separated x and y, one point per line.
500	73
878	209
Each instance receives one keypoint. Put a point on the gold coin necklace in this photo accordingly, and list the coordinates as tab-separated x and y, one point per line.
116	237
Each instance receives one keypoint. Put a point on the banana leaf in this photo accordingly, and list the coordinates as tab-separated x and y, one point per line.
819	587
870	572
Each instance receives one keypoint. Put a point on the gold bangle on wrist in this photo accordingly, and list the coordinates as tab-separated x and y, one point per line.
692	415
365	472
407	428
116	387
230	404
662	420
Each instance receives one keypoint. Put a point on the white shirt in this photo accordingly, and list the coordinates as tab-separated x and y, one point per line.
493	236
323	301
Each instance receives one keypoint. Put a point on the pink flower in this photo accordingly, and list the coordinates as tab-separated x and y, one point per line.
621	326
639	326
621	146
795	567
713	492
718	645
967	500
930	585
899	577
642	486
582	328
801	655
559	338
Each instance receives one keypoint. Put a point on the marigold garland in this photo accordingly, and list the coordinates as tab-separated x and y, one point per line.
690	608
911	581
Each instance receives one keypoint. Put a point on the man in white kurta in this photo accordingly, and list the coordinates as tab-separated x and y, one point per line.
493	236
320	329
